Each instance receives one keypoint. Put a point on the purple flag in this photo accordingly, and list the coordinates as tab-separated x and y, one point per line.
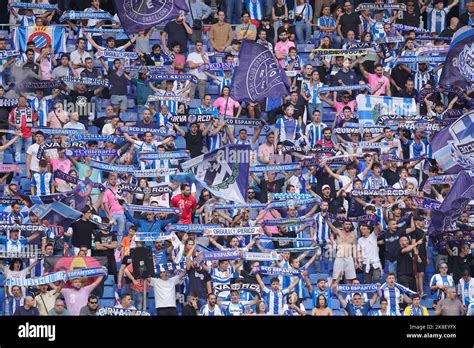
224	172
139	15
454	204
258	74
453	147
458	70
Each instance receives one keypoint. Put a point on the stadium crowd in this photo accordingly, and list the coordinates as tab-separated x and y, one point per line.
329	252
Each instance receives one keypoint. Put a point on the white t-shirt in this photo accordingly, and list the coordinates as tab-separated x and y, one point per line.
108	129
76	58
76	125
165	294
33	151
370	250
196	58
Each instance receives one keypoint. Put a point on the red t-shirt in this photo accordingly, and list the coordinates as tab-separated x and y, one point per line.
25	117
187	205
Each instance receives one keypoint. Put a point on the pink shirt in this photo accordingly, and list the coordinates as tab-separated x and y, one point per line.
340	105
283	48
269	216
111	200
63	165
76	299
374	81
220	104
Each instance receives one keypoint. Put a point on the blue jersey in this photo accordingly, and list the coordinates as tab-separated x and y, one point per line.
314	133
42	183
353	310
436	19
323	232
317	292
288	128
418	149
255	8
274	300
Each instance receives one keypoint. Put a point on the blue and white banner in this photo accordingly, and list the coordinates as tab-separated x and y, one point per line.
296	250
288	272
142	130
453	147
292	203
254	288
36	84
191	228
33	6
151	237
343	88
274	196
7	200
233	254
360	130
240	206
103	31
240	121
358	288
406	28
106	167
421	59
288	221
370	145
57	131
50	146
116	54
5	54
458	70
216	66
224	172
172	77
136	16
96	137
380	192
75	15
105	311
152	209
254	256
150	190
88	81
426	203
191	118
361	218
233	231
58	276
43	36
8	102
446	179
173	155
93	153
286	167
370	107
171	266
22	227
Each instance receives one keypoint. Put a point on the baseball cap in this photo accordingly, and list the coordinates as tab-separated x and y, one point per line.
326	186
235	42
266	19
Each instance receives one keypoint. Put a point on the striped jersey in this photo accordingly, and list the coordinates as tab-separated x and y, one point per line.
42	183
274	300
323	232
214	142
436	19
312	93
466	291
314	133
234	309
255	8
207	312
287	127
41	107
393	295
440	280
328	22
375	183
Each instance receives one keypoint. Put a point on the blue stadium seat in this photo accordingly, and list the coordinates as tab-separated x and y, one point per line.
25	184
107	302
109	280
109	292
7	158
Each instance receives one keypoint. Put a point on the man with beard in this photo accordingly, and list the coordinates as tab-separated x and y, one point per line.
345	241
177	31
186	202
282	47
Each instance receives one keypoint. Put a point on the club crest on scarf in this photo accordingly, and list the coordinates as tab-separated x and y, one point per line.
462	145
465	63
143	11
262	74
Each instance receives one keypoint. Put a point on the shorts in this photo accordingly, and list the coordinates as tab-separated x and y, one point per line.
420	267
119	101
346	265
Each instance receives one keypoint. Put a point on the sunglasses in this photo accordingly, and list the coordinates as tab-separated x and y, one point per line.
95	302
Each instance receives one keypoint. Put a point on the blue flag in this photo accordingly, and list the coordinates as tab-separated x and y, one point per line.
458	70
53	35
453	147
454	204
224	172
258	75
140	15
